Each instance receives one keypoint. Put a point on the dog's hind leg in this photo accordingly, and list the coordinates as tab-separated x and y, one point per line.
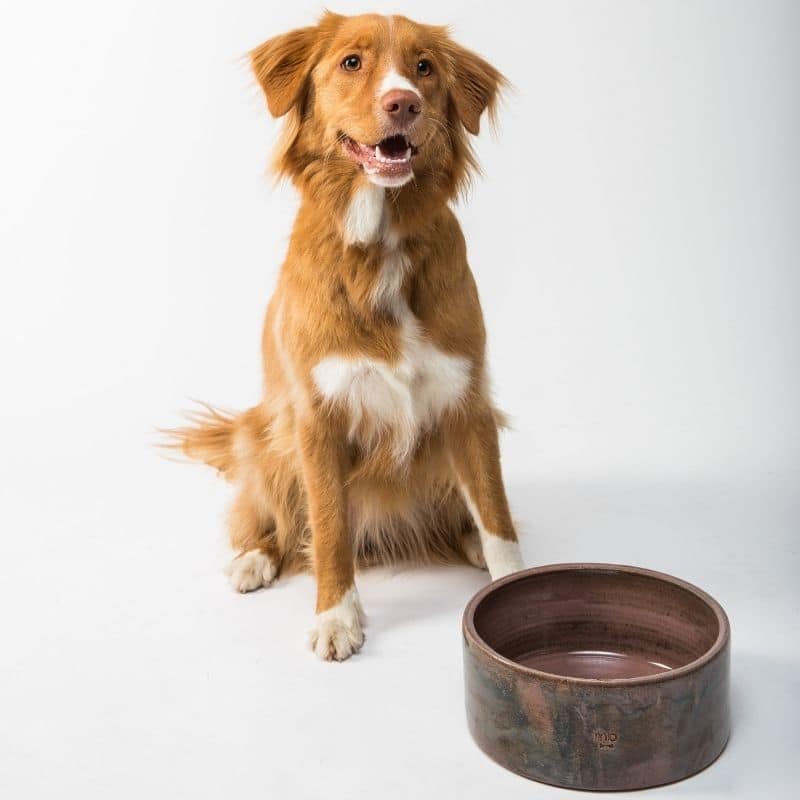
253	537
473	549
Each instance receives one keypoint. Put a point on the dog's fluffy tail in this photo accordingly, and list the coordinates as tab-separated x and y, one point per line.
209	437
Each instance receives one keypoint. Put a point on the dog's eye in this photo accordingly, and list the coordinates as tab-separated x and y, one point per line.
351	63
424	67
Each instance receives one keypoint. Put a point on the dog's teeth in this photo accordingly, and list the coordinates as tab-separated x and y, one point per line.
377	151
407	156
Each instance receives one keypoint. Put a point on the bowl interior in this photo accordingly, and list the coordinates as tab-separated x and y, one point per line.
599	623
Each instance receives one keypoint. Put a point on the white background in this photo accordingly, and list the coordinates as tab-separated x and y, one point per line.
636	244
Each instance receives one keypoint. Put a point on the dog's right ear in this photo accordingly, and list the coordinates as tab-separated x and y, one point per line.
282	66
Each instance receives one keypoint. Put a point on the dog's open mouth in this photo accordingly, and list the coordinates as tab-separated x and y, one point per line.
389	158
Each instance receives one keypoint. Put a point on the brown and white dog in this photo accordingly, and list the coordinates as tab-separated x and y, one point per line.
376	438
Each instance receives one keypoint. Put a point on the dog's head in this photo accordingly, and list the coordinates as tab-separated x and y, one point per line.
385	96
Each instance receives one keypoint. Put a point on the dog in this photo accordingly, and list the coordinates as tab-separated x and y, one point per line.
376	439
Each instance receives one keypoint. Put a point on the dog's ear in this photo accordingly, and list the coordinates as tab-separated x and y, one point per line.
282	66
476	86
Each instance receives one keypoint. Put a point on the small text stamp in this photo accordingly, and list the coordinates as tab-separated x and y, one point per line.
605	740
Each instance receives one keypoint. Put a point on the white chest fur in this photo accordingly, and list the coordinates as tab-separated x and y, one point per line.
398	400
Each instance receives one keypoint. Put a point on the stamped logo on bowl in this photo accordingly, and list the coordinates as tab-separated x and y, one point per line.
605	740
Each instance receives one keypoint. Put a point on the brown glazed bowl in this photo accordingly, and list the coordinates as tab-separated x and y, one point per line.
597	676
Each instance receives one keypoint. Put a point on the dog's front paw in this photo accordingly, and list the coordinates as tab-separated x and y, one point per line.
251	570
338	631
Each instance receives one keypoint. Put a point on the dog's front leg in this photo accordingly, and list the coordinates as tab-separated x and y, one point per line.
477	465
337	632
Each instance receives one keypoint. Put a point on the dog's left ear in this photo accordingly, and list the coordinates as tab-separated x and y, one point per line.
476	87
282	66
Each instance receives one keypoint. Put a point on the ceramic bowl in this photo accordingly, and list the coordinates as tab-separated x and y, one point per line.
597	676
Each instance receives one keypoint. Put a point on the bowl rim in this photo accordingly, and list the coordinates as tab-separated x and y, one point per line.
471	634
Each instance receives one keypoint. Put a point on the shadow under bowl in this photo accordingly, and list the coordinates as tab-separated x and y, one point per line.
597	676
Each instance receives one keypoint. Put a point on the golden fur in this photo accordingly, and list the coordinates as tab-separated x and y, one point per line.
324	481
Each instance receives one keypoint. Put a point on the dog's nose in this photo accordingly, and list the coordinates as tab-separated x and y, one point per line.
401	105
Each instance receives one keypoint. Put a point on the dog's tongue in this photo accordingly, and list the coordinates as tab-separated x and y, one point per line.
390	158
393	146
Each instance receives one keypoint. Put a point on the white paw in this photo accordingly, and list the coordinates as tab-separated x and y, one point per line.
251	570
338	631
473	549
502	556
